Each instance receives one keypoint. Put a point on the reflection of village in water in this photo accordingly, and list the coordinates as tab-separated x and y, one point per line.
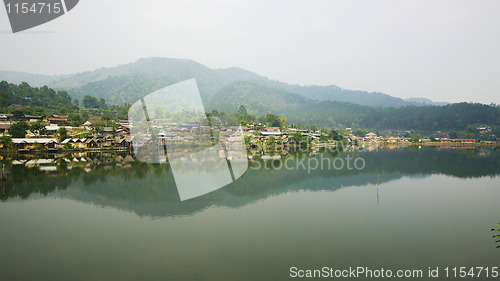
118	179
52	163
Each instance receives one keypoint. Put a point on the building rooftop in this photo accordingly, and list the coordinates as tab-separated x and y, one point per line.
33	141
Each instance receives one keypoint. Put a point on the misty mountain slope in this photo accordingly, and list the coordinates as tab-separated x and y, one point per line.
334	93
122	89
156	67
152	73
424	101
259	99
37	80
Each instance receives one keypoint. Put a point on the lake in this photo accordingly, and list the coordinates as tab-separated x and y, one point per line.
103	216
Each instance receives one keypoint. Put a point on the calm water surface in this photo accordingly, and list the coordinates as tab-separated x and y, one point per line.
108	218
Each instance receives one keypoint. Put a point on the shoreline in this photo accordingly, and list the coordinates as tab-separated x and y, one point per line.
284	147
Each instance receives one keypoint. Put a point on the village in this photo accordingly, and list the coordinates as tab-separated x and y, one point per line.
55	134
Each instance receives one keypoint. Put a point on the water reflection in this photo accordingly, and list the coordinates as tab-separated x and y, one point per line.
117	180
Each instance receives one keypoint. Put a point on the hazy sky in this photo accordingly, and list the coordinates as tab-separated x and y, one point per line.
442	50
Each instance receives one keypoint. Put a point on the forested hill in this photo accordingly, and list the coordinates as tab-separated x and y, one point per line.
125	83
298	109
260	100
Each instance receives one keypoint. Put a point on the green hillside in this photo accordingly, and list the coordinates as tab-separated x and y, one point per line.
298	109
152	73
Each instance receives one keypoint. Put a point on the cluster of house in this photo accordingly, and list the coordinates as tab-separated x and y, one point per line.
267	134
437	137
24	144
6	120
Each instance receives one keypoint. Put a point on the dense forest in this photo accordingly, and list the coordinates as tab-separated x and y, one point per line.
260	100
37	99
22	100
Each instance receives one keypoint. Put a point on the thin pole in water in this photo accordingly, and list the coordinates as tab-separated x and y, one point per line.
378	180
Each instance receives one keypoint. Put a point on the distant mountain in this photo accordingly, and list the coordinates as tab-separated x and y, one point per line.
260	100
126	83
37	80
424	101
334	93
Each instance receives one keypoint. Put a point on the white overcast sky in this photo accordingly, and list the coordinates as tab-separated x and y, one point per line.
442	50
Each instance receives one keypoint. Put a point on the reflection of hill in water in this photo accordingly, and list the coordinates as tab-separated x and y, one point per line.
149	189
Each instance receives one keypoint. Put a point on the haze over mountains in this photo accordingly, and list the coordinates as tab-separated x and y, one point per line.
129	82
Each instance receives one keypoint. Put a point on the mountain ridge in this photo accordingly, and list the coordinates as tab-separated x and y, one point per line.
158	72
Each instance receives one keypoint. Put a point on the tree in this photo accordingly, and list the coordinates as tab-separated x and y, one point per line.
63	97
416	138
18	130
90	102
360	133
335	136
284	123
159	112
85	116
272	120
271	140
75	119
36	127
6	141
102	104
472	132
63	134
18	114
297	137
6	94
39	110
243	112
106	116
